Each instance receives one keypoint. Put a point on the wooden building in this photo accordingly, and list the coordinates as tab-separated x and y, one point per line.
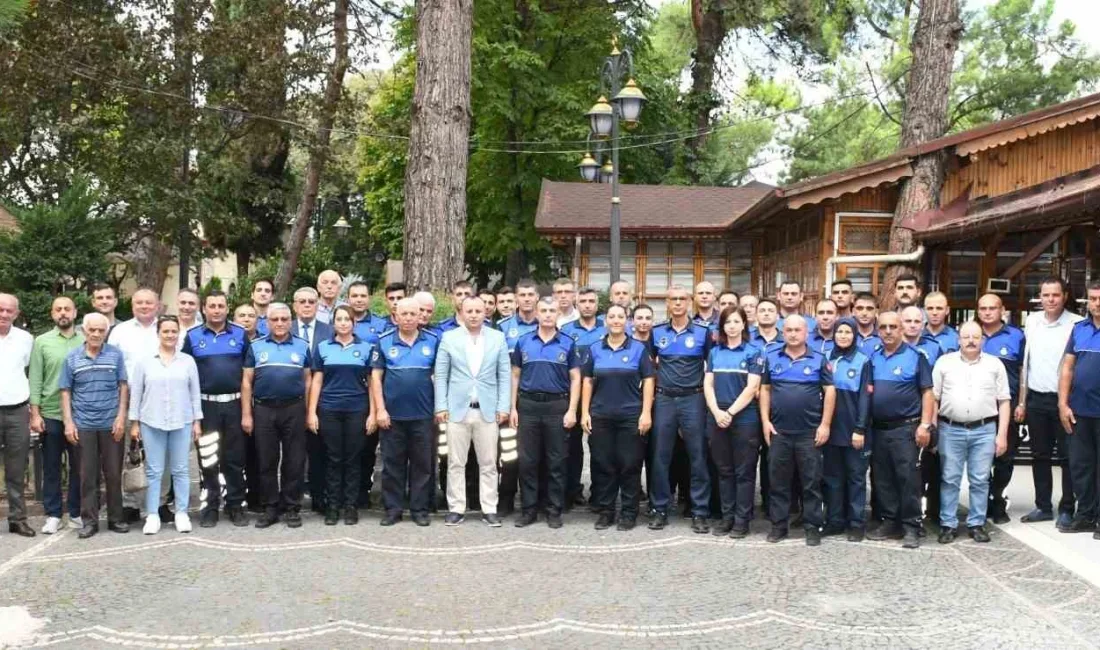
1021	200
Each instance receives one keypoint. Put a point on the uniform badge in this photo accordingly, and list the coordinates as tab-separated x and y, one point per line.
561	357
294	358
807	370
232	343
356	354
202	343
744	364
897	370
426	350
851	373
525	357
374	356
689	342
626	358
263	357
393	353
513	333
1004	351
662	342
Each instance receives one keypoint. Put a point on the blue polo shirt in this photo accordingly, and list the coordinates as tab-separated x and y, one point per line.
278	367
617	375
811	322
219	357
852	378
370	328
93	385
897	382
709	323
797	394
930	349
948	338
545	365
818	343
681	355
731	368
407	382
346	371
764	344
515	328
583	336
1084	392
261	326
1007	344
868	345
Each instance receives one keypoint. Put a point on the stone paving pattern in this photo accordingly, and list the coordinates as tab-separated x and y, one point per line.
368	586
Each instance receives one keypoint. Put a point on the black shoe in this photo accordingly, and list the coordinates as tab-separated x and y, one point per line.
351	516
832	530
422	519
20	528
605	521
1079	526
723	527
813	537
685	510
777	534
293	519
856	534
256	507
88	530
164	512
1000	518
526	519
1096	535
237	516
739	531
947	535
626	523
133	515
268	518
505	509
454	519
888	530
911	539
1036	516
579	500
554	521
491	520
118	526
978	534
332	517
658	521
208	518
699	525
390	519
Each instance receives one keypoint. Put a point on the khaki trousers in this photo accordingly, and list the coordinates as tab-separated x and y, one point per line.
484	435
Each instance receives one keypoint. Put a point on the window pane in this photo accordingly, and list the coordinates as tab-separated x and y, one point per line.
628	248
714	249
740	252
656	249
599	248
685	277
683	249
659	312
625	274
860	277
740	281
656	281
717	278
599	277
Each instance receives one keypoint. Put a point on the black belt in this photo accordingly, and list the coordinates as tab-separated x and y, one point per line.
12	407
475	405
893	424
543	397
973	424
683	392
276	403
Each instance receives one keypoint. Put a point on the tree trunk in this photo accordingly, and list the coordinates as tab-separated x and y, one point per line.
708	21
150	260
925	118
318	153
185	66
435	175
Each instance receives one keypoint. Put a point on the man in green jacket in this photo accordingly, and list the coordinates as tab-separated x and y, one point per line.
47	357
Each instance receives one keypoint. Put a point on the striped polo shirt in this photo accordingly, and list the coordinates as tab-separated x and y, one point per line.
93	383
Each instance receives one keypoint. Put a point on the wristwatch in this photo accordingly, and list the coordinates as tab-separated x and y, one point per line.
925	425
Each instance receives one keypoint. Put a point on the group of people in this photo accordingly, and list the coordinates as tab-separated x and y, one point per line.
495	401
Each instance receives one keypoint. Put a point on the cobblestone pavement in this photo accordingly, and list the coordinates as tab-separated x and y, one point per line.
368	586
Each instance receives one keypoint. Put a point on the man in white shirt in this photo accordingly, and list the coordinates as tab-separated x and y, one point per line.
15	392
565	292
971	389
1047	333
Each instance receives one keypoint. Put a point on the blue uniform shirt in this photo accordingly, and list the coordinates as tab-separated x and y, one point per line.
545	365
948	338
346	371
681	355
797	394
709	323
407	382
515	328
93	385
584	337
617	375
370	328
1084	392
278	367
218	357
868	345
852	378
1007	344
764	344
898	380
731	368
818	343
930	349
261	326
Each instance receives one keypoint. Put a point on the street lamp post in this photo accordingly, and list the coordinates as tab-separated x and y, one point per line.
625	105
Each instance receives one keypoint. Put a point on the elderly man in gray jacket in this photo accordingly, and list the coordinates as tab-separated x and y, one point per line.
472	395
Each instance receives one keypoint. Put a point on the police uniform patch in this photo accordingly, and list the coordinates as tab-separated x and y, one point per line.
897	370
807	370
851	373
393	353
1004	351
232	343
525	357
263	357
294	358
744	364
426	350
626	358
202	343
561	357
689	342
374	355
662	342
513	333
356	354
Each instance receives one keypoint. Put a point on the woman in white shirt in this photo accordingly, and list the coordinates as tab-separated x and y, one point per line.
165	411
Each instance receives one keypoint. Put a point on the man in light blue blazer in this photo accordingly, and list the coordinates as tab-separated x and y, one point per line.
472	397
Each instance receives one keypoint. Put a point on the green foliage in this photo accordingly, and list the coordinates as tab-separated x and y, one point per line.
11	13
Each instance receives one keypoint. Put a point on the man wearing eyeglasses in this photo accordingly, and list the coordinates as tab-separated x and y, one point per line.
306	326
901	415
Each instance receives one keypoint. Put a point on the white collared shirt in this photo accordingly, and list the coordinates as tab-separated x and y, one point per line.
136	341
969	390
573	315
309	334
1046	344
15	356
475	354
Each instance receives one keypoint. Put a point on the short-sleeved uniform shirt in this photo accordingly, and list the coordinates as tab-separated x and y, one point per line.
219	357
1007	344
407	381
930	349
584	337
868	344
278	367
93	385
681	355
948	338
897	381
764	344
370	328
617	375
852	378
818	343
731	368
1084	392
797	389
515	328
545	365
346	373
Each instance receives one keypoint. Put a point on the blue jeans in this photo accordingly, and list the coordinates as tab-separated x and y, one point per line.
673	416
54	447
174	447
975	448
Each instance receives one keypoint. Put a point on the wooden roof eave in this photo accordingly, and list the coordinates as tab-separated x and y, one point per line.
887	174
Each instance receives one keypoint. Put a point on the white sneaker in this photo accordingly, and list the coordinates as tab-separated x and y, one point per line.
183	523
76	523
52	524
152	525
